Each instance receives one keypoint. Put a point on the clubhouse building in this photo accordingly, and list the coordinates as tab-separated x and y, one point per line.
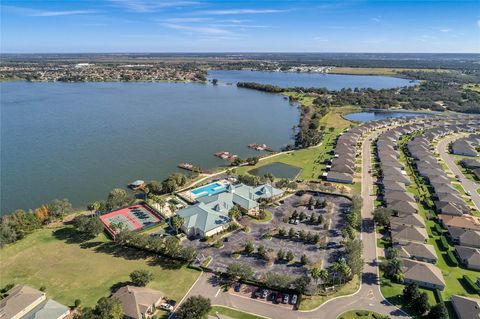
210	215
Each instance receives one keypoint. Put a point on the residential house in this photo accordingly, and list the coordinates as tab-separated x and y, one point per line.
138	302
465	307
424	274
417	251
468	256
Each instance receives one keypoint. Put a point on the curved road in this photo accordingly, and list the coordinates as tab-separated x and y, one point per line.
449	160
368	297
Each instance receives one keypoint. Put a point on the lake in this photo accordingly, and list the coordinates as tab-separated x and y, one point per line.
292	79
379	115
80	140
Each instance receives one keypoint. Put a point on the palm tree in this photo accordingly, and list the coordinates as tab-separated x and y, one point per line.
315	273
395	268
323	275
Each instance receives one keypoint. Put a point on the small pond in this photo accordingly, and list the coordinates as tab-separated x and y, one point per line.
279	170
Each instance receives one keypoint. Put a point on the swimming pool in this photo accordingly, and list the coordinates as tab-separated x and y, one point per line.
208	190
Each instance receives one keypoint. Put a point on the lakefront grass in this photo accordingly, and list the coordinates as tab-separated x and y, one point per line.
71	269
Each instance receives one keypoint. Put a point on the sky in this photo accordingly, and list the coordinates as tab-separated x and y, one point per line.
64	26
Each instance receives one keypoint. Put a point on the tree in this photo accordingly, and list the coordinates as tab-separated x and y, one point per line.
420	304
117	198
382	215
177	222
439	311
195	307
155	187
319	219
261	251
290	256
323	275
282	232
391	253
315	273
249	247
169	186
188	253
280	255
234	213
353	257
42	213
411	292
304	259
106	308
252	160
291	232
94	206
214	81
395	269
77	303
59	208
302	216
90	226
312	219
141	277
240	271
172	247
302	234
316	238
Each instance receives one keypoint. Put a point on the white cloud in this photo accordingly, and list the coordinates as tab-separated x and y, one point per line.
45	13
445	30
375	19
152	5
320	39
239	11
188	20
478	23
198	29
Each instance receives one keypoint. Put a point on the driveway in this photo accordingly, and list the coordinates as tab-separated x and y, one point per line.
449	160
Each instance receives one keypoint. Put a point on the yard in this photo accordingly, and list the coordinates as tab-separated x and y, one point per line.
360	314
70	269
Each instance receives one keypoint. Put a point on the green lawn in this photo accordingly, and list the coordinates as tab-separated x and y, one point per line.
55	258
313	302
268	217
353	315
232	313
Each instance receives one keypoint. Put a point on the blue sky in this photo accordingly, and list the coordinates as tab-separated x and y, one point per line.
239	26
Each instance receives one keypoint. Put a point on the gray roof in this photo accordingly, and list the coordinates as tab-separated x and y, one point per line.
466	308
49	309
422	272
411	233
471	255
136	300
408	249
18	298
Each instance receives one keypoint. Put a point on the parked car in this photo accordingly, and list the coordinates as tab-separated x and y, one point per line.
273	297
286	298
265	293
166	306
468	193
225	239
293	301
172	302
237	287
279	298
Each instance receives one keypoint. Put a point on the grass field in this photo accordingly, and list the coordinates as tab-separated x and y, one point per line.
472	86
377	71
232	313
313	302
69	269
353	315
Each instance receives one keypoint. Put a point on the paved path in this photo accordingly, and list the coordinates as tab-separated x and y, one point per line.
449	160
368	297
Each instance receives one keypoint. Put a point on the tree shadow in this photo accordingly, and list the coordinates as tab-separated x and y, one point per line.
122	251
71	236
118	285
166	263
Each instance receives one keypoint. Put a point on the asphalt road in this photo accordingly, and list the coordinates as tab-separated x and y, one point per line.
467	184
368	297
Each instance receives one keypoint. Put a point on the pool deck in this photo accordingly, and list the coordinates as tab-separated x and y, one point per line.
191	196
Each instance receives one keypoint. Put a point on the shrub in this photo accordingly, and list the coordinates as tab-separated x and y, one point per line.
452	258
438	229
77	303
438	295
471	282
362	313
444	243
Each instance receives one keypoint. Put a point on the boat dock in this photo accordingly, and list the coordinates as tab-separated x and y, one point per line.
226	155
261	147
190	167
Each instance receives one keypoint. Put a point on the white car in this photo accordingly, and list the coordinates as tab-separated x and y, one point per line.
166	306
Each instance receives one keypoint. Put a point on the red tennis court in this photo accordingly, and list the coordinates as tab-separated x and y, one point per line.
134	217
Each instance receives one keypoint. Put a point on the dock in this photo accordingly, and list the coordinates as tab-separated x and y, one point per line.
190	167
226	155
261	147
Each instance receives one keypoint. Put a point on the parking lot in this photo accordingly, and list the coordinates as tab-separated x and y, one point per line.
317	254
287	301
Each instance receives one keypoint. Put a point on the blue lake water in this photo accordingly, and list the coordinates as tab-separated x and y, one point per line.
378	115
292	79
80	140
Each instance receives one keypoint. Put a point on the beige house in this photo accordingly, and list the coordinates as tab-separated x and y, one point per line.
20	300
424	274
138	302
